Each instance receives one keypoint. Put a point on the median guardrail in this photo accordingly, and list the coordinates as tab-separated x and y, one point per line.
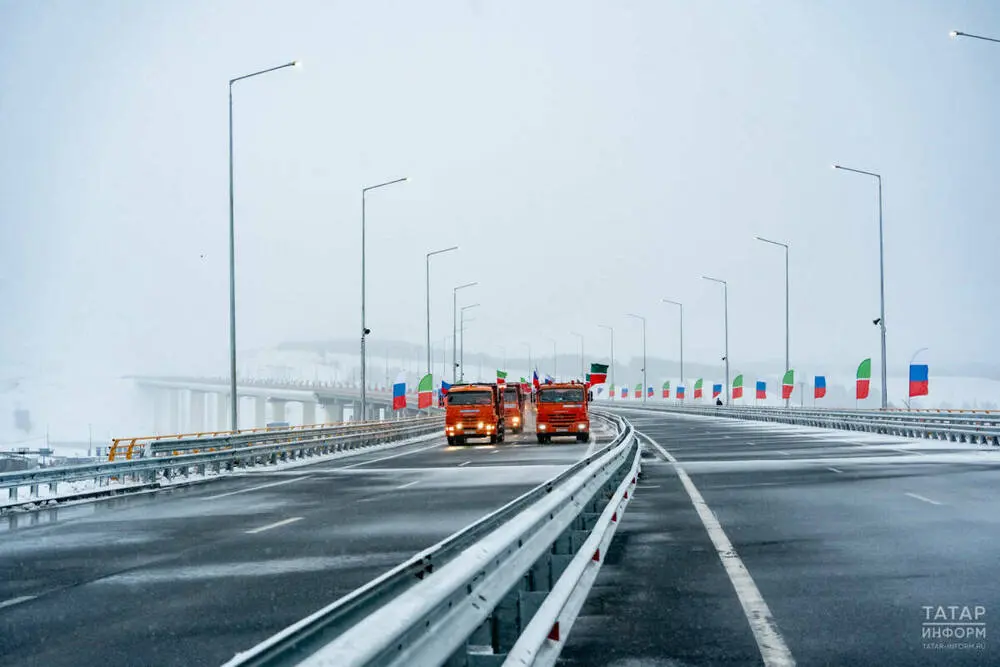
269	448
965	427
504	588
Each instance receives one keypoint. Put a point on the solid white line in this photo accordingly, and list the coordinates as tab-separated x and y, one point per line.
464	464
773	649
13	601
386	458
839	472
926	500
408	485
276	524
257	488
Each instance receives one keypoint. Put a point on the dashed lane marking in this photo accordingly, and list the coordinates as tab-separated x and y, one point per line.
257	488
923	498
276	524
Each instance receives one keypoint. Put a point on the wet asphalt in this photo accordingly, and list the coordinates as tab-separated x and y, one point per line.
193	575
847	537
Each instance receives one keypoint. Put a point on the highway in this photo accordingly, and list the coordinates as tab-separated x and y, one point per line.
193	575
846	538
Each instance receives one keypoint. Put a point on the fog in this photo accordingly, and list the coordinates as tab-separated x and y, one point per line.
588	158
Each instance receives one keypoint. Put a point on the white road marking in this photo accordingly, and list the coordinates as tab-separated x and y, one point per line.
839	472
408	485
257	488
393	456
464	464
495	451
906	451
13	601
771	644
650	486
276	524
926	500
783	453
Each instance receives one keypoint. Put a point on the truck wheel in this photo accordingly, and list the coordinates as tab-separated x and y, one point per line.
459	440
451	441
541	439
493	439
501	436
583	437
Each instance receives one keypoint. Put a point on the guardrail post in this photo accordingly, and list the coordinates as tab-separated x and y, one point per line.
12	493
52	487
33	490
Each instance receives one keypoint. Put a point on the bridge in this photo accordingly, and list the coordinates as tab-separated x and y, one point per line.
201	404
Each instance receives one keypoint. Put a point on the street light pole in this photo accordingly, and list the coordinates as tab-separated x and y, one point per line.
364	327
528	345
881	277
461	376
785	246
454	329
644	387
612	330
428	275
958	33
681	306
234	407
725	296
555	363
583	373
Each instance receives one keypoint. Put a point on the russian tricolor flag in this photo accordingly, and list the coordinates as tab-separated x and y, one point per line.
716	390
918	380
761	389
680	392
819	386
625	392
399	392
534	379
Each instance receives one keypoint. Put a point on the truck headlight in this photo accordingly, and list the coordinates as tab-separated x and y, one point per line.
581	427
480	425
517	421
458	426
542	427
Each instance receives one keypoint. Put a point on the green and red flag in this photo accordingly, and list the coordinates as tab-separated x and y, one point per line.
697	388
598	373
638	390
864	379
611	392
738	386
425	391
787	384
666	389
501	377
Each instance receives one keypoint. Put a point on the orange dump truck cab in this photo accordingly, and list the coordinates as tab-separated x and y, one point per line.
474	410
513	407
562	409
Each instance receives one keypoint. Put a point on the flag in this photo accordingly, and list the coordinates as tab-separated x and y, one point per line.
864	378
526	388
819	386
425	391
666	389
598	373
534	379
624	392
399	392
738	387
787	384
444	392
599	390
638	390
761	389
548	379
716	390
649	392
697	388
501	377
918	380
680	392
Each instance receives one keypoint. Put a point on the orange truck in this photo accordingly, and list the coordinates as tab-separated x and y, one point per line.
474	410
513	407
561	409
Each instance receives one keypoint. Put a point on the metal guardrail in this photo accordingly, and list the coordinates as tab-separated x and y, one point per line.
972	428
149	469
173	445
478	595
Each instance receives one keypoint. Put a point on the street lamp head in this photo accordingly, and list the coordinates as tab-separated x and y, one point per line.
954	33
297	64
834	166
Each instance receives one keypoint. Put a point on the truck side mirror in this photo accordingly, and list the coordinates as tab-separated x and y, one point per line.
590	396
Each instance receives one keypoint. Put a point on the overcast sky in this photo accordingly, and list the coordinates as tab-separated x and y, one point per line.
589	158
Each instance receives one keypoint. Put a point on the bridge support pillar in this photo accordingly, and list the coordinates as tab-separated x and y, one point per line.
222	411
308	412
260	412
334	412
277	409
198	411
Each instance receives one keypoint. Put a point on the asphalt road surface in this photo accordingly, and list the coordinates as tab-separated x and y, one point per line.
851	544
193	575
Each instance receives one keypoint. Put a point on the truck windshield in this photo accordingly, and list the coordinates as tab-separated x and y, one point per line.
469	398
560	396
510	395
